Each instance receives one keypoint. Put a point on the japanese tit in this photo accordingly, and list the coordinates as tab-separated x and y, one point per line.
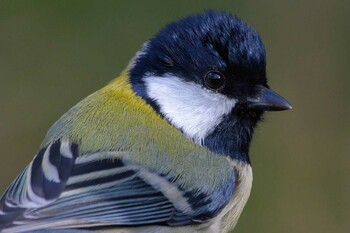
162	148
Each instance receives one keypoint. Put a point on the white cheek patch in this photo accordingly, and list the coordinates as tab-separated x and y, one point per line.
188	106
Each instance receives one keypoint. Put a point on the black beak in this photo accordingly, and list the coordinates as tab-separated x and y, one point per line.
267	100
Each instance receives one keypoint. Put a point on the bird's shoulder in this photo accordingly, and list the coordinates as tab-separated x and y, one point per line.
108	118
115	119
116	141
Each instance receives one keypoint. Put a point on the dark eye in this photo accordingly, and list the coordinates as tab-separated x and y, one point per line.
214	80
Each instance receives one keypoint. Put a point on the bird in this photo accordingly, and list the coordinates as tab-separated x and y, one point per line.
164	147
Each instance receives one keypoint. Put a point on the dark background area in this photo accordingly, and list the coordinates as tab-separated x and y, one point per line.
55	53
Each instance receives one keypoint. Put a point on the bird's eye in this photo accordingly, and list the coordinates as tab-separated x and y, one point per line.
214	80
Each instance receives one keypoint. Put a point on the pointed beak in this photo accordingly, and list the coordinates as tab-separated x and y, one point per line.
267	100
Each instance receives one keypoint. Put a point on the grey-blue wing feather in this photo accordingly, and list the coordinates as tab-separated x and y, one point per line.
40	183
103	189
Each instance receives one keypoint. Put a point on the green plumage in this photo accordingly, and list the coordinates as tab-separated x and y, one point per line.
114	119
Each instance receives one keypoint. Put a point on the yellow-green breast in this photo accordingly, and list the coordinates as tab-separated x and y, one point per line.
116	119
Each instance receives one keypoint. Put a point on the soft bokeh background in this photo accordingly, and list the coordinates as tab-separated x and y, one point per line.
54	53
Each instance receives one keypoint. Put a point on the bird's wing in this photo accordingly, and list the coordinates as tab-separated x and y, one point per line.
60	190
40	183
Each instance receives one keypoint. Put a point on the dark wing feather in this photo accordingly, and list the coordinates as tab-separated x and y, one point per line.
102	189
40	183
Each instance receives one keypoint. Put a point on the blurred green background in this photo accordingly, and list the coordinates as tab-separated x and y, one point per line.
54	53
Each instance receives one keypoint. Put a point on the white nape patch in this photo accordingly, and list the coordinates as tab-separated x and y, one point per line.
187	105
140	53
49	170
65	150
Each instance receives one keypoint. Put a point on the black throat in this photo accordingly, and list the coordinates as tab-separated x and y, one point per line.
233	135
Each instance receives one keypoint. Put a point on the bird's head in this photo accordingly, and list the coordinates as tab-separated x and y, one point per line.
206	75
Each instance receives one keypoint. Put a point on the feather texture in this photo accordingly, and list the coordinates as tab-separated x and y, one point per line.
120	121
104	189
